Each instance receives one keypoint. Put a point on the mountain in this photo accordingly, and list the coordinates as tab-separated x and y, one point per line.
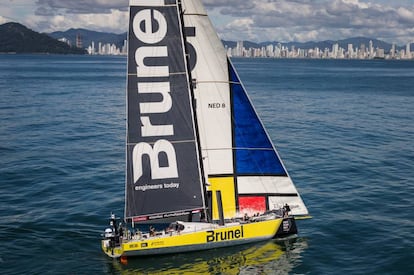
358	41
246	44
16	38
88	36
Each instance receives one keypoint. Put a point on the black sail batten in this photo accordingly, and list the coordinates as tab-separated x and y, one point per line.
164	177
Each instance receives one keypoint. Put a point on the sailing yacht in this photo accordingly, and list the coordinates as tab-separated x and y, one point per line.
197	154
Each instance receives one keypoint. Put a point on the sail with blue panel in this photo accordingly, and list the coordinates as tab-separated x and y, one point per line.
238	155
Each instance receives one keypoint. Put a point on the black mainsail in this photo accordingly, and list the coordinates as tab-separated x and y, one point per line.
164	176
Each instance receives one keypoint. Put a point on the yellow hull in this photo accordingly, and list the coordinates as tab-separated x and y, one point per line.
210	236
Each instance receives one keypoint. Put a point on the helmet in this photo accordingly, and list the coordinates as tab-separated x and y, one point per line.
108	233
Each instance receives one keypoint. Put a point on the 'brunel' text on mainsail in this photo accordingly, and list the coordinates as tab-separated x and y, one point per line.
150	27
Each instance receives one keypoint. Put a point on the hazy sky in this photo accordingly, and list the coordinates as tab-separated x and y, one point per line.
254	20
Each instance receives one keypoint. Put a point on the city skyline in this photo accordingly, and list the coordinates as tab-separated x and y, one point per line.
281	51
352	48
256	20
336	52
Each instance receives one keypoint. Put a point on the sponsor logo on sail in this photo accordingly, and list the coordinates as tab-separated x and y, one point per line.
150	27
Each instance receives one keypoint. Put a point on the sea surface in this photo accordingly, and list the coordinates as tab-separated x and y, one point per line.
345	130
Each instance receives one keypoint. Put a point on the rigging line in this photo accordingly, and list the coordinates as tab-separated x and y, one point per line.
174	142
217	81
178	73
270	194
217	149
237	148
195	14
260	149
9	18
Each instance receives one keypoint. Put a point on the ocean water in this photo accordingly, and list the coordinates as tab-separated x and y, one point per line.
344	129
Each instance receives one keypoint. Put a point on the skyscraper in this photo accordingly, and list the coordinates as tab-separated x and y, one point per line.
371	49
335	50
392	51
350	51
408	51
362	51
239	48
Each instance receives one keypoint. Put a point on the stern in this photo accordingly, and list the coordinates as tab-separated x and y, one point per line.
111	250
287	228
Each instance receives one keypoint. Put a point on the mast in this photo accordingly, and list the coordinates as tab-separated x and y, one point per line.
194	104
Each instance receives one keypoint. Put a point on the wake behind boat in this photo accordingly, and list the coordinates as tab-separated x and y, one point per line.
197	152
